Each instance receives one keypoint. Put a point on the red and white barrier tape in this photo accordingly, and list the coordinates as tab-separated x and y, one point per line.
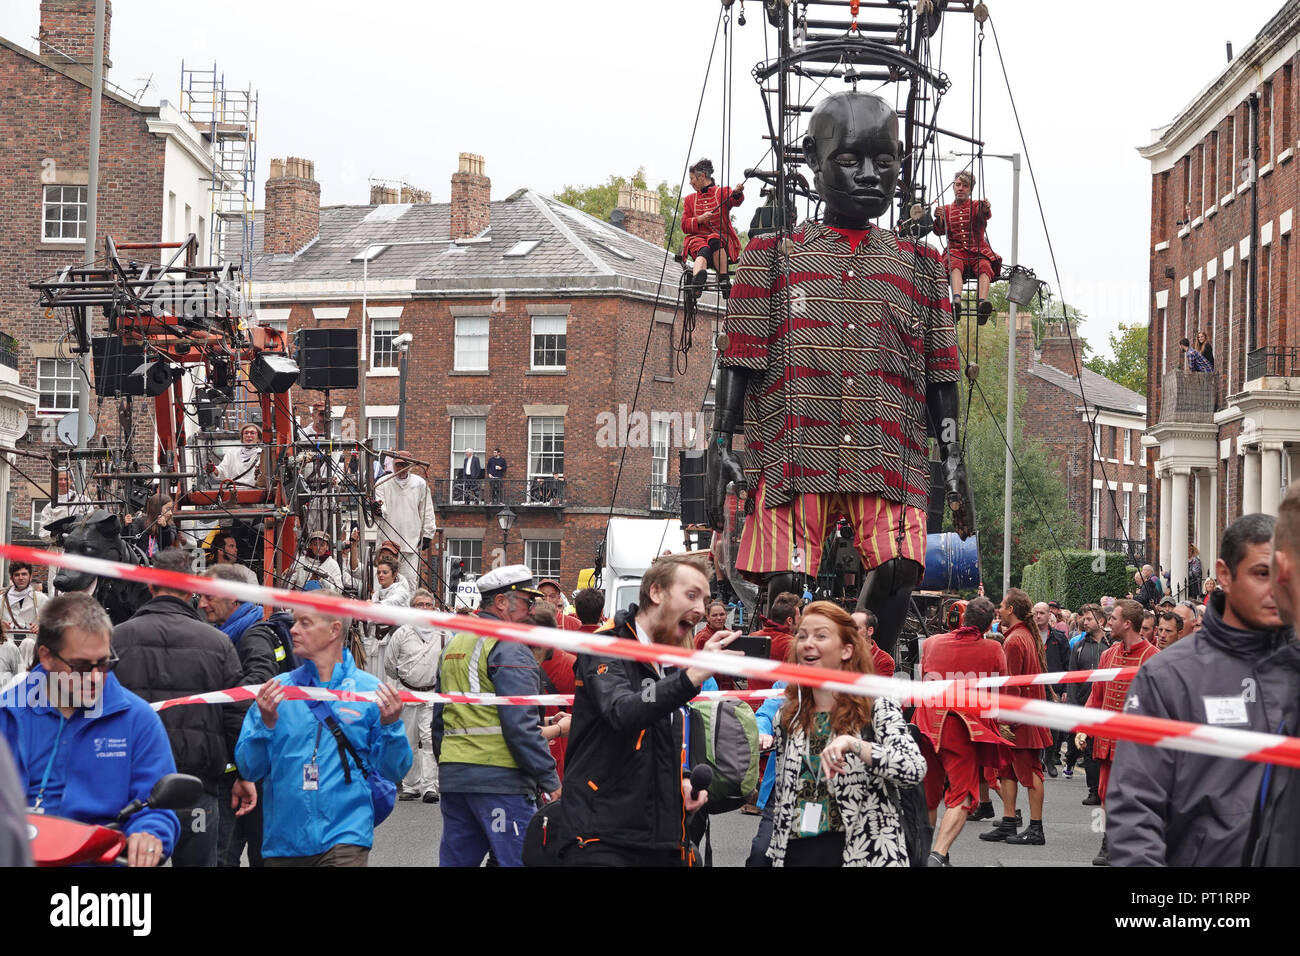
238	695
1154	731
235	695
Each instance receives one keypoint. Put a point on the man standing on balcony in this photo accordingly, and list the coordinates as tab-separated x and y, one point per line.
496	469
406	514
472	470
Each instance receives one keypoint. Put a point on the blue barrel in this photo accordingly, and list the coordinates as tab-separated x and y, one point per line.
951	564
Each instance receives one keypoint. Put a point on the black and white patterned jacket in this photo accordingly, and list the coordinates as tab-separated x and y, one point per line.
873	832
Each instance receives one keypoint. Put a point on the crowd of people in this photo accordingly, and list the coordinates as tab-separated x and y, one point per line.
846	780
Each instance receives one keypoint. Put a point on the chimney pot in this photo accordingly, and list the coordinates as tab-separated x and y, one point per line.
639	214
471	195
292	217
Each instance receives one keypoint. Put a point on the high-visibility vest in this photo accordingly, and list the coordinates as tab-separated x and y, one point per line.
471	732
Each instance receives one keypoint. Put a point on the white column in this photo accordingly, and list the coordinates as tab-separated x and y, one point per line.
1295	465
1166	511
1204	517
1270	478
1178	534
6	519
1209	539
1250	483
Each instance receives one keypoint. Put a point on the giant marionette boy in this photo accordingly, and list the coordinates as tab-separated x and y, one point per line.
840	343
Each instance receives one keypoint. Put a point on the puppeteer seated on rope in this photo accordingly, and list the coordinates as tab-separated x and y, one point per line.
839	345
965	222
710	239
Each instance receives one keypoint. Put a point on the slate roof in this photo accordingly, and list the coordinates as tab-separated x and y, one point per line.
1097	390
576	249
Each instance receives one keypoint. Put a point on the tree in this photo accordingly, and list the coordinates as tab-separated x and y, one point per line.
1128	362
1040	514
600	201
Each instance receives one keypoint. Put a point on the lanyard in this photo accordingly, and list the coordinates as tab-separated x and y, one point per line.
49	765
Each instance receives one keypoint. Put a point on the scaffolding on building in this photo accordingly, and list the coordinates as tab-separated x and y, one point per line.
228	118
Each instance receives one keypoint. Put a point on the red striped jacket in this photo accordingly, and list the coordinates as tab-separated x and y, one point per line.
845	342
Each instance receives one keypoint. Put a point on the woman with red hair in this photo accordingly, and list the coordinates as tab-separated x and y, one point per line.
837	755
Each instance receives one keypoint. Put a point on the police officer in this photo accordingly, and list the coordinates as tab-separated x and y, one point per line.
492	760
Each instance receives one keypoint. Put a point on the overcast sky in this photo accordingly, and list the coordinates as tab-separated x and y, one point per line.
554	94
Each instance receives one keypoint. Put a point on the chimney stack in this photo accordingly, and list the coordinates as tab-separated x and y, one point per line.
67	32
1056	350
1024	342
384	195
637	212
471	191
292	217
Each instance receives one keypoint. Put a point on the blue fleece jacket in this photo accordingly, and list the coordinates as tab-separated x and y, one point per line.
300	822
766	717
100	764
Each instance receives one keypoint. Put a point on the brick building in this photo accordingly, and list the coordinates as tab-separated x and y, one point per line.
1225	444
1093	428
154	169
534	324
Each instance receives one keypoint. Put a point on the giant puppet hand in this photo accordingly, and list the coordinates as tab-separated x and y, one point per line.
721	464
941	407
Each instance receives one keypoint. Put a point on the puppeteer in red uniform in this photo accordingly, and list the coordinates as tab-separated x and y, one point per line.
965	222
710	238
1110	695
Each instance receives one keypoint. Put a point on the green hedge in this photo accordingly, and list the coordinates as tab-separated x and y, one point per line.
1077	577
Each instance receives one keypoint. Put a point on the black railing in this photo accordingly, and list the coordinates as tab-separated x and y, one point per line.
8	351
540	492
1274	361
1135	550
666	498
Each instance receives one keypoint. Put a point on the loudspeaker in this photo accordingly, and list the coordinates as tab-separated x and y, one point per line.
694	487
114	363
327	358
273	373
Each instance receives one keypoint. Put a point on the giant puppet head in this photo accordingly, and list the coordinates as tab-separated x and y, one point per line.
855	154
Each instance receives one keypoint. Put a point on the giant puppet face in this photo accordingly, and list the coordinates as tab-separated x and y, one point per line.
853	148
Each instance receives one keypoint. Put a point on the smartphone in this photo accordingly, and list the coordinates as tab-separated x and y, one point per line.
752	646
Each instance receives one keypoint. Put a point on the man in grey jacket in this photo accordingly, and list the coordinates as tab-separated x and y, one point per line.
1275	833
1170	808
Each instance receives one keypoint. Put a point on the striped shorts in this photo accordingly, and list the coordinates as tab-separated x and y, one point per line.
789	536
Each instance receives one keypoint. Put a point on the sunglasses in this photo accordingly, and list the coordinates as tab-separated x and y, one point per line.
86	667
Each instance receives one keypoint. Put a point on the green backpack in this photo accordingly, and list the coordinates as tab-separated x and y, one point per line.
724	734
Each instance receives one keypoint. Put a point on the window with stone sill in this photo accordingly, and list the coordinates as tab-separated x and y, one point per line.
64	214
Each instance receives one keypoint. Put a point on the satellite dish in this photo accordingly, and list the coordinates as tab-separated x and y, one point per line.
68	425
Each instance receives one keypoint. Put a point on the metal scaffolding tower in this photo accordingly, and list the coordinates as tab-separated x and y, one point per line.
228	118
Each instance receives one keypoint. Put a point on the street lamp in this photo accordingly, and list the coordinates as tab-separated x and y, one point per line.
403	343
506	519
1014	159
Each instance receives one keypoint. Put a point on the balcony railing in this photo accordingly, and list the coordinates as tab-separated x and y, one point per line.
540	492
1187	397
666	498
8	351
1135	550
1275	361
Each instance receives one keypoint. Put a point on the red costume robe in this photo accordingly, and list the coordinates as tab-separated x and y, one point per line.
968	247
558	668
1021	648
1111	694
702	218
962	654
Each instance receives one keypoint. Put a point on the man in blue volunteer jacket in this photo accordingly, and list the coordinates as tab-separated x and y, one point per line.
89	759
318	808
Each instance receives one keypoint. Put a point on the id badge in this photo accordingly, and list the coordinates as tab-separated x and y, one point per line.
810	819
310	776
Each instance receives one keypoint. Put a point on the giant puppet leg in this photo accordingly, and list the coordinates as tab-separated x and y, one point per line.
887	591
